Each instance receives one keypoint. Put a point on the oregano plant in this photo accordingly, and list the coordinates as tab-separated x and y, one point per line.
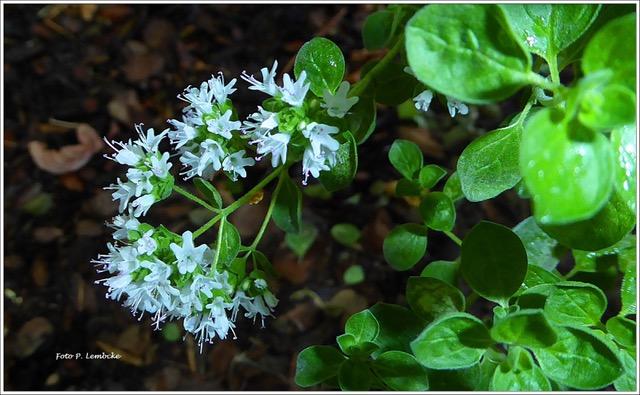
569	149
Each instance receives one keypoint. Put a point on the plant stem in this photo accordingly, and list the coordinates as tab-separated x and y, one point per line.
361	85
553	69
238	203
267	217
453	237
194	198
571	273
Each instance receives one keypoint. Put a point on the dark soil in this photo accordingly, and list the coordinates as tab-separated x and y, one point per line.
116	65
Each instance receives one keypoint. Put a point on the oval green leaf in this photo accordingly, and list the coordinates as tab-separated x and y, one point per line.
341	175
406	157
288	206
400	371
575	303
324	63
405	245
527	328
316	364
437	211
430	297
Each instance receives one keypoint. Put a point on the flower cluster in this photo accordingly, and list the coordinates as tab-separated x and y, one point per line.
156	271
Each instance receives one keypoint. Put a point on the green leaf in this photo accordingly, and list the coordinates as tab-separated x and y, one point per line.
406	157
607	51
623	330
210	192
493	261
627	382
430	175
355	376
392	85
536	276
489	165
605	259
346	342
324	63
527	328
398	327
607	106
606	228
442	270
430	297
228	243
288	206
549	28
453	188
541	249
401	371
361	118
575	303
519	373
345	234
628	291
437	211
316	364
579	359
453	49
405	245
363	326
353	275
567	168
300	242
455	341
623	142
406	187
377	29
341	175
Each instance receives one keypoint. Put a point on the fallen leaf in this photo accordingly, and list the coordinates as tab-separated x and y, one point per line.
40	272
31	336
69	158
47	234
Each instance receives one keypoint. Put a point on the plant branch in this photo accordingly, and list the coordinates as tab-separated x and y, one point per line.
361	85
267	217
453	237
194	198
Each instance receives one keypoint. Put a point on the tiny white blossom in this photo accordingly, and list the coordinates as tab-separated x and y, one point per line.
260	283
423	100
191	162
128	153
160	166
339	104
235	164
123	224
142	204
312	164
185	131
219	89
212	154
146	244
274	144
268	84
454	104
319	136
141	179
187	256
149	141
223	126
199	99
260	122
294	92
124	191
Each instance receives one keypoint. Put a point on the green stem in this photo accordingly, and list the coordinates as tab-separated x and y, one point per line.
361	85
571	273
216	256
453	237
194	198
538	80
238	203
267	217
553	69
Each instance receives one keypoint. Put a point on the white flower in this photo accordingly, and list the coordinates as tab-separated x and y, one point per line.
222	126
339	104
149	141
454	104
219	89
235	164
274	144
319	136
187	255
123	224
218	314
260	122
141	179
191	162
142	204
312	164
160	165
198	99
128	153
185	131
211	154
260	283
294	92
124	191
268	84
423	100
146	244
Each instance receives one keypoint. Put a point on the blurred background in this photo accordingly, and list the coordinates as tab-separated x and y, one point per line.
110	66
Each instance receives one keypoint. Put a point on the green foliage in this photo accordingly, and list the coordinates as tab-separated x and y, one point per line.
341	175
542	250
401	371
493	261
300	242
209	191
345	234
448	43
519	373
437	211
316	364
353	275
228	243
430	175
430	297
405	245
323	62
288	206
406	157
527	328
